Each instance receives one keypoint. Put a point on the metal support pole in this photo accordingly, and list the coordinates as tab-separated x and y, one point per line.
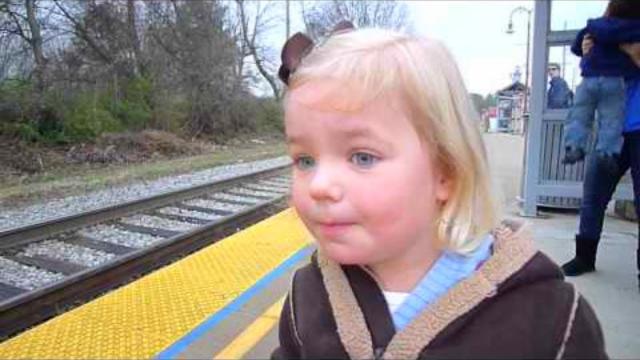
525	108
564	57
533	145
288	20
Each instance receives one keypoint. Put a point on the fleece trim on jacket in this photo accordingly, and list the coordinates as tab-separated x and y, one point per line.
509	256
516	306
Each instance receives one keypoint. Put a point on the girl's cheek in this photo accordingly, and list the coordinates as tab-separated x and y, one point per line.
298	199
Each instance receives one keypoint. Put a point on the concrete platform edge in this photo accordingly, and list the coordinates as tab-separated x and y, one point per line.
176	348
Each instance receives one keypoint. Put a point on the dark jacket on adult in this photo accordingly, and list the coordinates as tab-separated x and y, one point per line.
559	95
606	58
516	305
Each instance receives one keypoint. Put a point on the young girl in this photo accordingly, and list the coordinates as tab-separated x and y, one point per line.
391	179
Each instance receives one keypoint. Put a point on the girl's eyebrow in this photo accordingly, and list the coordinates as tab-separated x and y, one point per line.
360	132
351	133
293	139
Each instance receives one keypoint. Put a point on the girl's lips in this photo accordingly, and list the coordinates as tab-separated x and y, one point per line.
333	229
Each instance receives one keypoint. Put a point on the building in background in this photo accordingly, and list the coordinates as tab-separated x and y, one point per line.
510	106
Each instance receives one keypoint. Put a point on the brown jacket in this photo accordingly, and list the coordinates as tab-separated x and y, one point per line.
516	305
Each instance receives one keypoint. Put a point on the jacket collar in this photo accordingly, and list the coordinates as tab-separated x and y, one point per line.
513	249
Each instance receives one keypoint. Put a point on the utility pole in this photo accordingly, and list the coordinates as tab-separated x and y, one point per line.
526	72
288	19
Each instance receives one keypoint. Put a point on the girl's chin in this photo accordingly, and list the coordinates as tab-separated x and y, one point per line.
345	255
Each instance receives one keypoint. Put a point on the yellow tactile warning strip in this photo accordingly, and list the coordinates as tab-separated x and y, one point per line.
141	319
252	334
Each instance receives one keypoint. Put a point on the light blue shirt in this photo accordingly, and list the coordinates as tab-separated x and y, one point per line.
448	270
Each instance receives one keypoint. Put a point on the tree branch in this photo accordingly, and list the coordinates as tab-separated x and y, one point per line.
81	32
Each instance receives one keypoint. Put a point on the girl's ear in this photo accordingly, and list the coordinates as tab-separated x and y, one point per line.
444	186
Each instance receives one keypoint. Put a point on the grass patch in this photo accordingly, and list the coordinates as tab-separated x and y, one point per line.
78	179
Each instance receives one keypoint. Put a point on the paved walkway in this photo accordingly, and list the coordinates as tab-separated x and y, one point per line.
613	289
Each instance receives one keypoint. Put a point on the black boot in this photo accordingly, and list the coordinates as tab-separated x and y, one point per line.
585	260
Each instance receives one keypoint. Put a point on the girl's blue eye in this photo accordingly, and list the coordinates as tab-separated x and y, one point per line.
364	160
304	162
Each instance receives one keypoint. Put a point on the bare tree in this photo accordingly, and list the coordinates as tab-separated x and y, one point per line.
184	57
98	29
23	19
324	15
193	52
16	59
251	28
134	38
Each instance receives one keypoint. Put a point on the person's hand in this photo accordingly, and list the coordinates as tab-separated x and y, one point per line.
587	44
633	50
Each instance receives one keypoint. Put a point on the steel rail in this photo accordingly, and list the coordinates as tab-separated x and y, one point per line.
28	309
38	231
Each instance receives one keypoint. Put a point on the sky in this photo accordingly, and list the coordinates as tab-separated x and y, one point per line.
475	32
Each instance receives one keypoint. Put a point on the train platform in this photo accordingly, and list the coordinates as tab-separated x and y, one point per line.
223	302
218	291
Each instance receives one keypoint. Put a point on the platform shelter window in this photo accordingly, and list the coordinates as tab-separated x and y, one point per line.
581	11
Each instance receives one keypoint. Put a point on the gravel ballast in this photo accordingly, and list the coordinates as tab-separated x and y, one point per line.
25	277
232	198
271	189
16	217
188	213
67	252
158	223
215	205
250	192
115	235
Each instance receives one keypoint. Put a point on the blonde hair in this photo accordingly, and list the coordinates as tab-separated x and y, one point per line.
375	63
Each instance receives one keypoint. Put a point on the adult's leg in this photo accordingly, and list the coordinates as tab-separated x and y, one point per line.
611	105
579	121
632	142
598	187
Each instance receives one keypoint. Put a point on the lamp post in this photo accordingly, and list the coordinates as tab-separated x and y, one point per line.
521	9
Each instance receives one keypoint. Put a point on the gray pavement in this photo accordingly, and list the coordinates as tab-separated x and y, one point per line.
613	289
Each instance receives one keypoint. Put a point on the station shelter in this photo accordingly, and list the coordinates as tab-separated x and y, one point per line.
546	181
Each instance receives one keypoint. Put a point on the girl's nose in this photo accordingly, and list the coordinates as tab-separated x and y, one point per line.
325	185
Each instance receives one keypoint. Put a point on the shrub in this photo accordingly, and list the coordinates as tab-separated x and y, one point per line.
134	111
24	131
16	100
132	115
21	116
86	119
270	116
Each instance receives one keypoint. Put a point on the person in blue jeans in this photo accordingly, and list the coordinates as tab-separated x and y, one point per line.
602	89
600	184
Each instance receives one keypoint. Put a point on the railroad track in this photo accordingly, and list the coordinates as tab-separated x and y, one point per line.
77	257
